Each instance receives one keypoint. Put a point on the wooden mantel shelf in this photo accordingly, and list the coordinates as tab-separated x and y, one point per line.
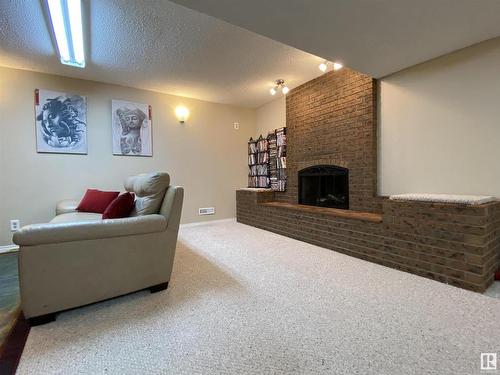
346	214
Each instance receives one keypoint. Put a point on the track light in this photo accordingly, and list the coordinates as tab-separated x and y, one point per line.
66	20
324	66
279	84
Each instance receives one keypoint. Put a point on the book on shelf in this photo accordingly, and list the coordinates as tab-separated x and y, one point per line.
262	144
281	137
252	159
252	147
281	162
262	169
281	174
262	157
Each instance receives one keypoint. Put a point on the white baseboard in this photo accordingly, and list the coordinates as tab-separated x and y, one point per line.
8	249
196	223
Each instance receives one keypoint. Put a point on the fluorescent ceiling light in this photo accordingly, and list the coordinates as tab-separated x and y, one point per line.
66	20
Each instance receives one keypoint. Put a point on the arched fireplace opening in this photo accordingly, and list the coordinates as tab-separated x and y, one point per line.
324	186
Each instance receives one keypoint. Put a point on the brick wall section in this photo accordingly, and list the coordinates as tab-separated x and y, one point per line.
460	242
332	120
453	244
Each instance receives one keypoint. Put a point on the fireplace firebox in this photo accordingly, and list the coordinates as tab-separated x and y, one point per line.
324	186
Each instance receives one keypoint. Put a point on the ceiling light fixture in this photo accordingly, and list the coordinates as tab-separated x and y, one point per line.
324	66
67	24
337	66
279	84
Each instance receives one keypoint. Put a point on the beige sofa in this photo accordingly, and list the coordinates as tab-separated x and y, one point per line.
78	258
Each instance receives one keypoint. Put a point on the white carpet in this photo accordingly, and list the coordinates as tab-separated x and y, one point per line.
247	301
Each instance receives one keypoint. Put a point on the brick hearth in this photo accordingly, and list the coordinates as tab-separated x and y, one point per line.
450	243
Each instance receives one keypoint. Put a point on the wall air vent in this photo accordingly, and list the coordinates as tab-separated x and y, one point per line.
206	211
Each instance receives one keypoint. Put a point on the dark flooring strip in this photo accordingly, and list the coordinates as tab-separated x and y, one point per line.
12	348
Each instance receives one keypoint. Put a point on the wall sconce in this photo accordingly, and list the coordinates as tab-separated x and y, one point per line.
182	114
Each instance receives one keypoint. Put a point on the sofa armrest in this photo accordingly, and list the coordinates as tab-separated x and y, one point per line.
39	234
66	206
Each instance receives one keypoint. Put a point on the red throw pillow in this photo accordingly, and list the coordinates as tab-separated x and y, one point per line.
120	207
96	200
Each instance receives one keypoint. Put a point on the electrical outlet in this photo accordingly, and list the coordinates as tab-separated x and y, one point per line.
15	225
206	211
236	126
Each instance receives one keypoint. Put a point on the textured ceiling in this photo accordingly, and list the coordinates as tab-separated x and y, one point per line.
161	46
376	37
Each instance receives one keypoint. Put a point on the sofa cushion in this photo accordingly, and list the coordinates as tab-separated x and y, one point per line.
96	200
120	207
76	217
150	190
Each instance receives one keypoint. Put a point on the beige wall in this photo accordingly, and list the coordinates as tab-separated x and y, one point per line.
440	125
271	116
205	155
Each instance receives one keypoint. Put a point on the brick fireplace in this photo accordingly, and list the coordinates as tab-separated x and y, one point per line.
331	122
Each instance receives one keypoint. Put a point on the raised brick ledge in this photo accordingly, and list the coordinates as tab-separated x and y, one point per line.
346	214
458	245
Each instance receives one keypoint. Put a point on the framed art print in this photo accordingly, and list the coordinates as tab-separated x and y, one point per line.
131	125
61	122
